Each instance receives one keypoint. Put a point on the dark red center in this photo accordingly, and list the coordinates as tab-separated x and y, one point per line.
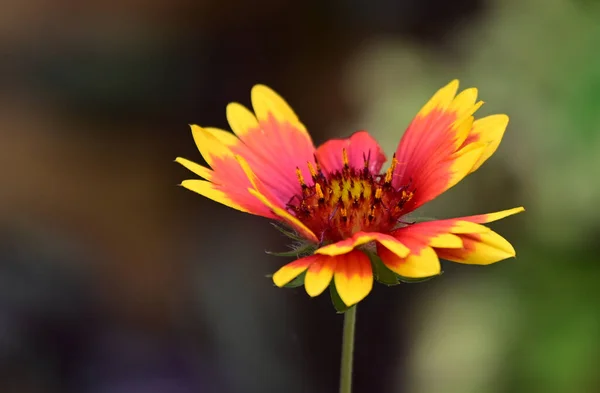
341	203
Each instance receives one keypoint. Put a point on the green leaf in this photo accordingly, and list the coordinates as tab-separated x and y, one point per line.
338	303
381	272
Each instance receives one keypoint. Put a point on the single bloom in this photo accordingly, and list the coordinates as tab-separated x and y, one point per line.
349	214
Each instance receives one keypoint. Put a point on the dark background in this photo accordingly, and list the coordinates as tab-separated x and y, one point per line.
113	279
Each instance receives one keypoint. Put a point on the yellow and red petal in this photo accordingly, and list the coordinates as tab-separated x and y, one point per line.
360	238
275	142
287	273
353	276
488	130
491	217
478	243
439	148
421	262
228	184
285	217
198	169
319	274
211	191
479	249
263	194
437	176
361	148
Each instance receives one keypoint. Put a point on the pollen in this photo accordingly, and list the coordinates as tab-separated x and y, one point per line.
338	204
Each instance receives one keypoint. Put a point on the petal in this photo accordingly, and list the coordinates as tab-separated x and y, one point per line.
263	194
441	99
275	142
431	233
353	277
240	119
435	177
225	137
439	148
199	170
286	217
267	103
422	261
229	182
211	191
488	130
319	275
491	217
360	238
480	245
479	249
360	148
210	146
292	270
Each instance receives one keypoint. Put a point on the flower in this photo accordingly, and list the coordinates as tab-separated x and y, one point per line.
337	201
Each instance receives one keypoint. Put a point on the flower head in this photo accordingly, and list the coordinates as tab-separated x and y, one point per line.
339	202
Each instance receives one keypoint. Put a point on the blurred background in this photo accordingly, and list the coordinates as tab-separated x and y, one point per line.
113	279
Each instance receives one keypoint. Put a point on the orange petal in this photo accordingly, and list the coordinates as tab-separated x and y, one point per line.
292	270
319	275
353	277
360	238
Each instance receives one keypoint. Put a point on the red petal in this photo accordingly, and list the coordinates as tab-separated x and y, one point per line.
359	146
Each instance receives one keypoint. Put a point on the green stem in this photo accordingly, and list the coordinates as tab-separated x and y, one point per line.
347	350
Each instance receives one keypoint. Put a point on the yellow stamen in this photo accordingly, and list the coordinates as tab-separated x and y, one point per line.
345	158
344	213
319	192
390	171
300	177
378	193
312	171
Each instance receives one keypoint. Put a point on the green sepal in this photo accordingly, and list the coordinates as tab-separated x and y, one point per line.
337	301
300	250
288	232
381	272
295	283
409	280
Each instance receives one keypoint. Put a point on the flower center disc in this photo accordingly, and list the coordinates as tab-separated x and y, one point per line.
344	202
